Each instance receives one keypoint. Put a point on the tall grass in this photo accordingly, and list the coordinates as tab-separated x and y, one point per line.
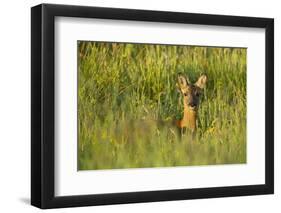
125	89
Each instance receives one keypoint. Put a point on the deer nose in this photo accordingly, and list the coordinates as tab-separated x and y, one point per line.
193	104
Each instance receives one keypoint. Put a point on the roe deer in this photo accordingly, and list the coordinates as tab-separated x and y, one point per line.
190	93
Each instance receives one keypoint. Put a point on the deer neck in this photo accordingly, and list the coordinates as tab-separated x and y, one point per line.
189	118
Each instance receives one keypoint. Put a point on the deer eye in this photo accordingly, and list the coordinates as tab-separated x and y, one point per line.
185	94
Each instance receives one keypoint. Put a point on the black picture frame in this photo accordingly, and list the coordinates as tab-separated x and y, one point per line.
43	105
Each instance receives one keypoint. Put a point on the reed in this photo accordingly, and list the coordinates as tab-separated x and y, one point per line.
124	89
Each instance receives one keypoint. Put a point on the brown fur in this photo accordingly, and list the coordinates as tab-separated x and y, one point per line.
190	93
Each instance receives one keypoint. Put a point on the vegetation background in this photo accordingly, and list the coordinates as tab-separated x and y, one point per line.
127	98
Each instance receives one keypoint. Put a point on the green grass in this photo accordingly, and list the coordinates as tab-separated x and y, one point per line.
126	89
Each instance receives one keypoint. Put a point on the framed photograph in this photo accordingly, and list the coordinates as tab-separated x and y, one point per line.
139	106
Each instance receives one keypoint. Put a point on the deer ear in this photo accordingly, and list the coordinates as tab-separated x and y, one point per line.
182	82
201	82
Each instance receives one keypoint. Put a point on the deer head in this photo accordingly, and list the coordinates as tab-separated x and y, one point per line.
191	98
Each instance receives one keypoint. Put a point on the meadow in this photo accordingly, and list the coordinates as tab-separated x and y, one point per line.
126	90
